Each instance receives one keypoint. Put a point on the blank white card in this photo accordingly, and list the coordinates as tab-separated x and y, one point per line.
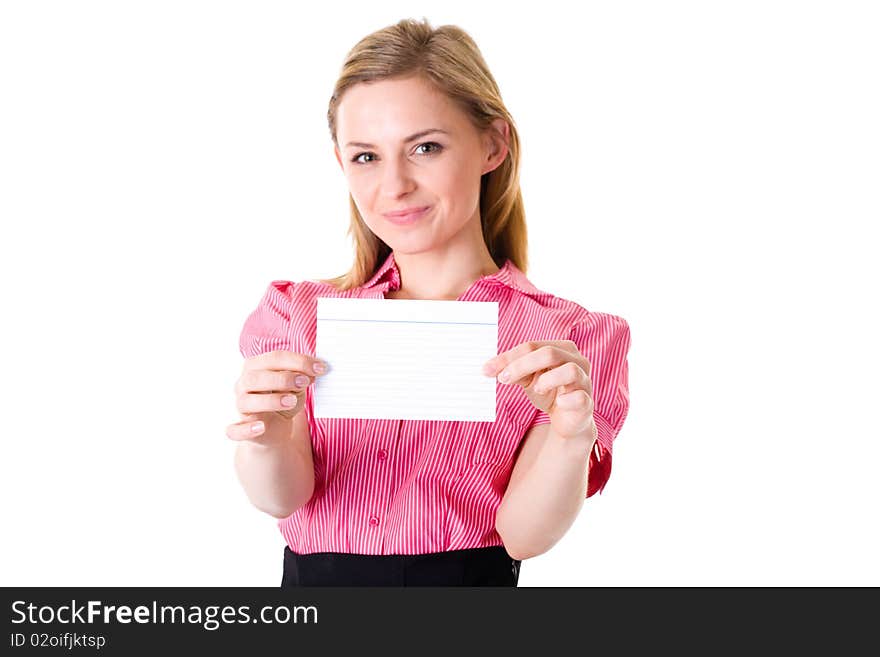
406	359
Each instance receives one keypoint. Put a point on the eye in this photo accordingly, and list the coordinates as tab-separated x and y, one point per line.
436	149
431	143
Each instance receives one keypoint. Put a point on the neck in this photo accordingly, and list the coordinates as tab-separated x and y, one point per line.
440	276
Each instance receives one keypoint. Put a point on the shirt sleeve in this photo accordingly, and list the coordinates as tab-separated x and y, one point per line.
267	328
270	327
604	339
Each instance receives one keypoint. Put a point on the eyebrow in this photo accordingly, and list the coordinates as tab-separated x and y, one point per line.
417	135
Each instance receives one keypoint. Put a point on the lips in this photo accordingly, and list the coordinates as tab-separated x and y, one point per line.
405	211
408	216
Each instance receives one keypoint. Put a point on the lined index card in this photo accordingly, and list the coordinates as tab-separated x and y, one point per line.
407	359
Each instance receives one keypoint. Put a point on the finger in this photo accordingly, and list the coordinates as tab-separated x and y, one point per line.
577	400
268	402
269	380
499	362
525	369
245	430
286	360
568	374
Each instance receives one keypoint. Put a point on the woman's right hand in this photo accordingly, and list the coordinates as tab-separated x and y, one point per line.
271	384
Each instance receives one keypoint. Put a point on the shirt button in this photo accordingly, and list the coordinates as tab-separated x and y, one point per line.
382	454
374	520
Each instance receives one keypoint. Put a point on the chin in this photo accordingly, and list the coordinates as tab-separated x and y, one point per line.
410	247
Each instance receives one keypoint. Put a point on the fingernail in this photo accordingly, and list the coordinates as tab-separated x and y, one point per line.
301	381
318	367
288	400
257	427
504	377
487	369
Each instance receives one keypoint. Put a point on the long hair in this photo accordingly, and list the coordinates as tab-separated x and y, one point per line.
448	58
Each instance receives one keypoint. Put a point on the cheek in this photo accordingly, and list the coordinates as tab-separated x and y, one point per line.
456	176
466	175
362	193
357	184
462	193
454	185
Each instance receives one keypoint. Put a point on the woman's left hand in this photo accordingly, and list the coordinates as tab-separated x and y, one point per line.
556	379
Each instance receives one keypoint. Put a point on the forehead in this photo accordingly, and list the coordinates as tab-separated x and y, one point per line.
390	110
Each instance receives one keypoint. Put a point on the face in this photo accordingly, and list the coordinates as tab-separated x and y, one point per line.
389	172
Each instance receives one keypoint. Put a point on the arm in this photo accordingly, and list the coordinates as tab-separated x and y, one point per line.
551	476
546	491
277	472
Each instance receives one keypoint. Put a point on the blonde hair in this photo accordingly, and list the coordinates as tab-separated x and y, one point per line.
448	58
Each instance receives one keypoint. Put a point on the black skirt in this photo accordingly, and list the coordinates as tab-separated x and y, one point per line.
488	566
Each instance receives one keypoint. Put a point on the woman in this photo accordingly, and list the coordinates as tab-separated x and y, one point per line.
431	157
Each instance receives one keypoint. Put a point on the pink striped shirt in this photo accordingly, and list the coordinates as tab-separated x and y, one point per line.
417	486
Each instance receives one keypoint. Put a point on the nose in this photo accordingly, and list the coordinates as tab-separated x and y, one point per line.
397	178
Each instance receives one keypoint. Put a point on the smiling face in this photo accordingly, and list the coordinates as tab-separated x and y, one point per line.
388	172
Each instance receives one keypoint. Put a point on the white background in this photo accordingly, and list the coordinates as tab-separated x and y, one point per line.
709	171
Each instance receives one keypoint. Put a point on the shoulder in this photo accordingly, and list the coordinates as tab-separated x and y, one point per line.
294	301
533	305
554	317
285	307
286	293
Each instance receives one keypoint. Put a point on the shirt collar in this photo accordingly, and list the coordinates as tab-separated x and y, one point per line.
387	277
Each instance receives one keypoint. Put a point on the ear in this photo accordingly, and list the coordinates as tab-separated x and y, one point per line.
496	139
338	157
